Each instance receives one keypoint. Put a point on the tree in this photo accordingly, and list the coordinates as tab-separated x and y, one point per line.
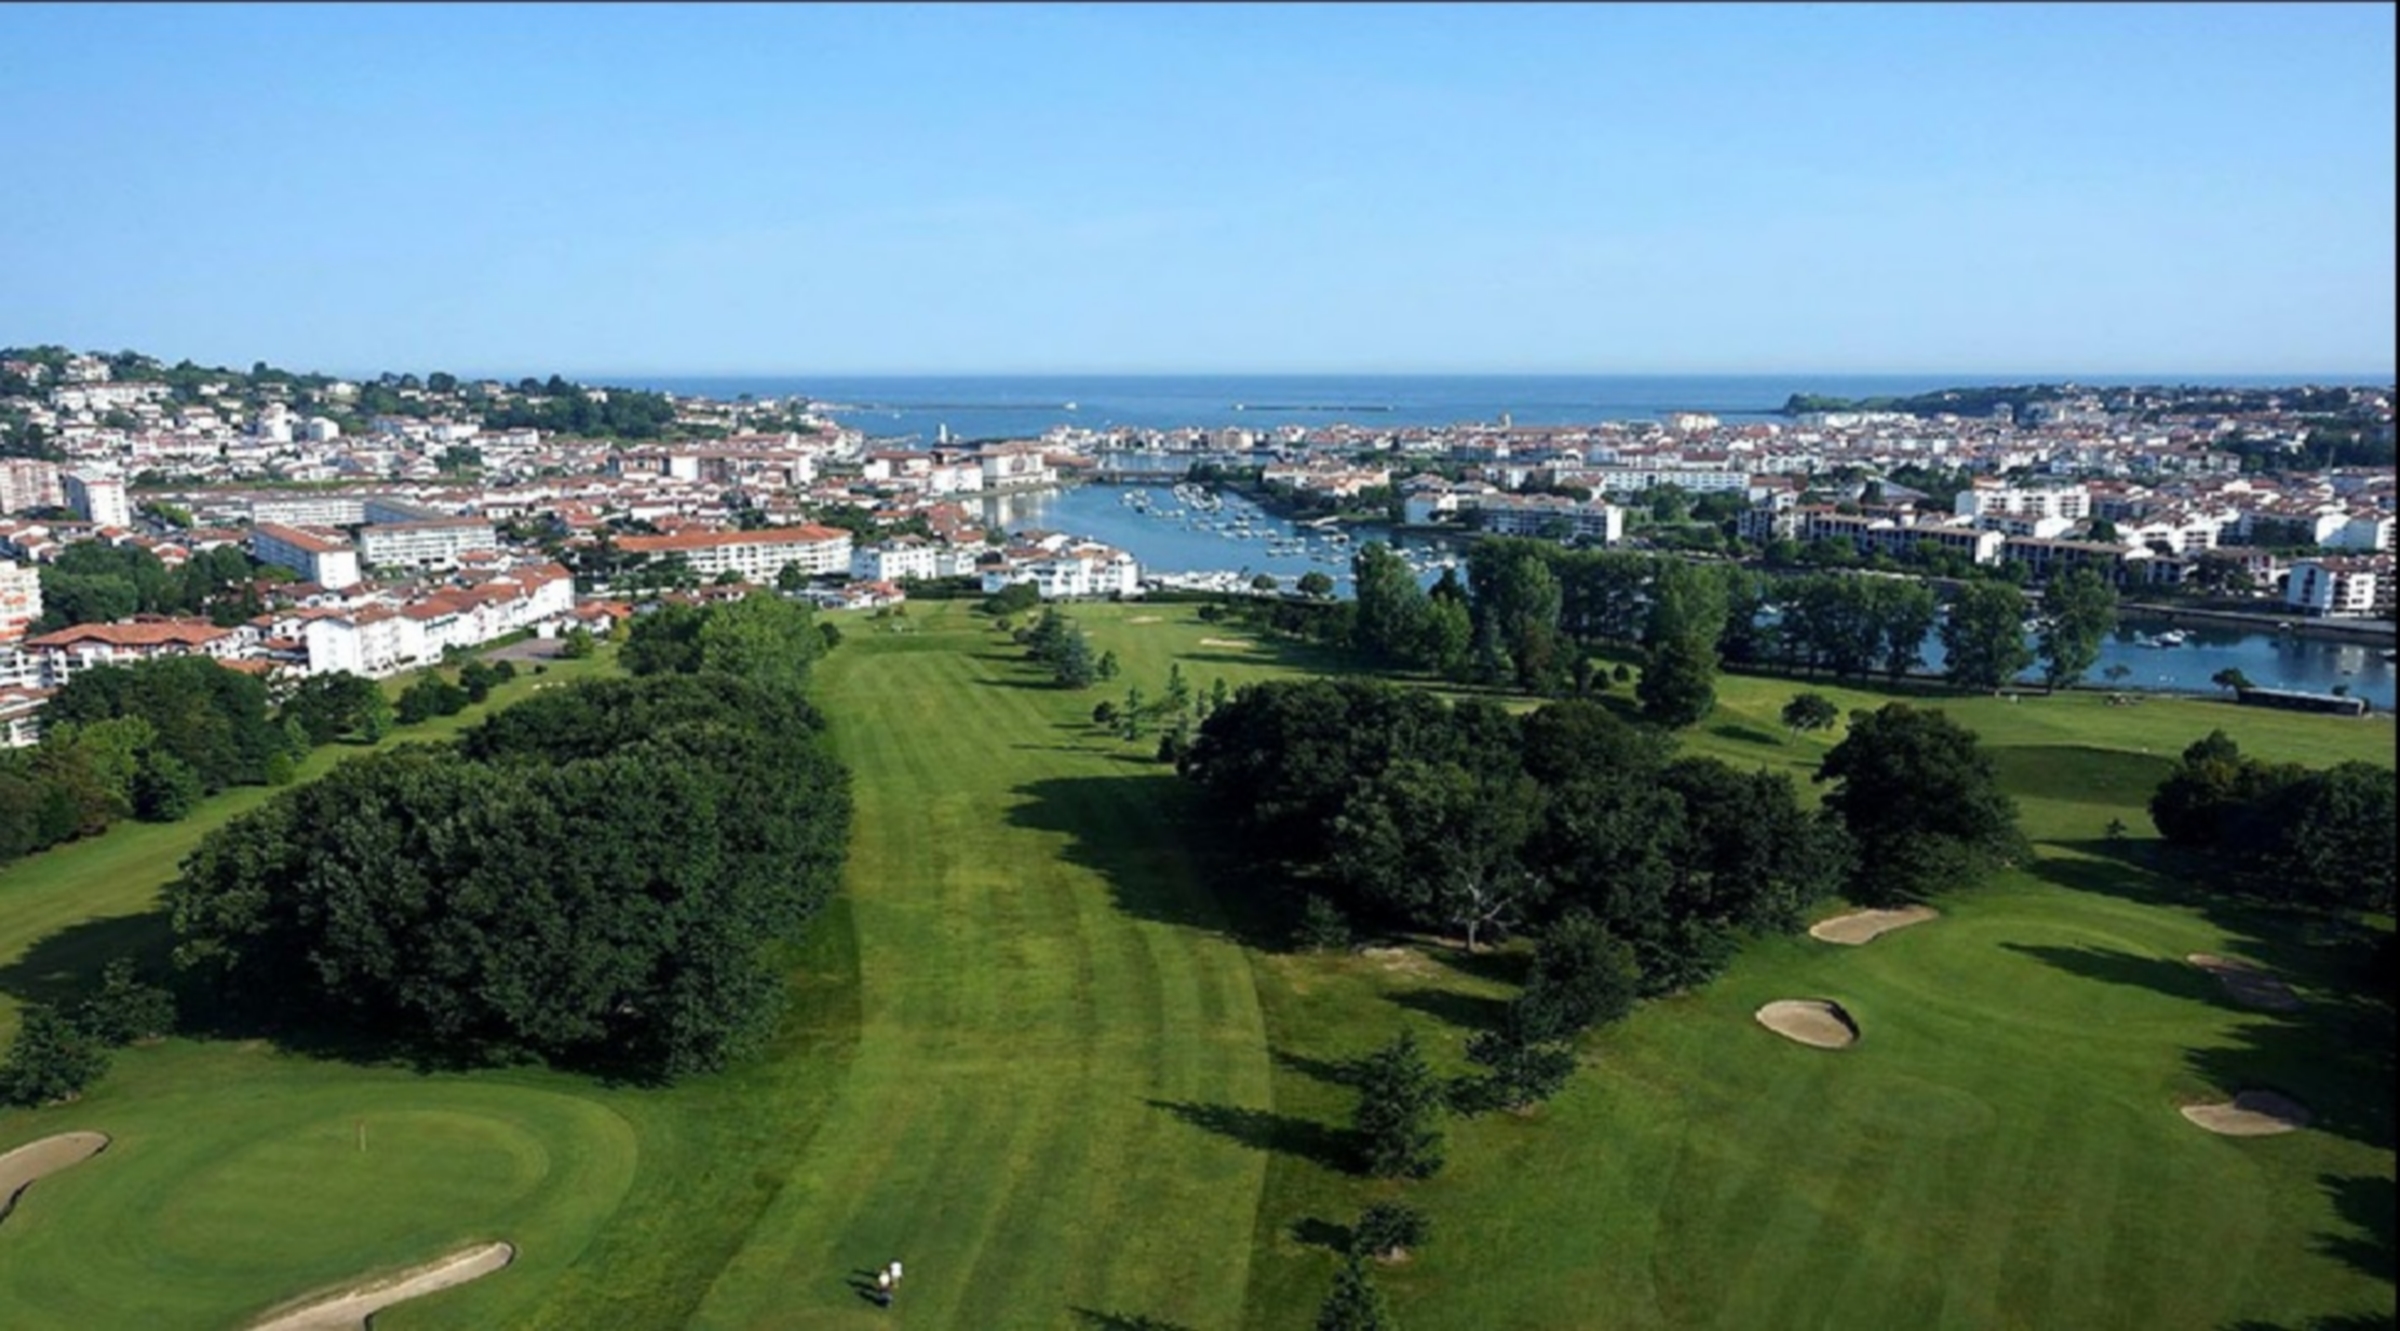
1391	606
53	1058
1810	711
430	696
578	644
1678	686
125	1009
1984	637
1387	1231
2078	612
1524	1071
1323	926
1582	977
1315	585
1399	1109
2231	677
1354	1304
1919	797
1264	582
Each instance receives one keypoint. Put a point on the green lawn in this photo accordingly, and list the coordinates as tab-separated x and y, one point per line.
1031	1056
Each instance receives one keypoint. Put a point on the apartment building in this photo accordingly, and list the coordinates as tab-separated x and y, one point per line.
62	655
755	555
890	561
1551	515
29	483
2072	502
2335	588
97	497
318	558
433	543
20	599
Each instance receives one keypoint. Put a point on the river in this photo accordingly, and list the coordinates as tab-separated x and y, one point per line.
1194	542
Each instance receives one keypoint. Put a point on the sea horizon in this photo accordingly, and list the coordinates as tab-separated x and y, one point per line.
929	407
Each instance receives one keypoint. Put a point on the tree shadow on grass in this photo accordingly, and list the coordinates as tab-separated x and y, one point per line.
1144	834
1265	1130
1746	734
1344	1072
2338	1322
2365	1202
1122	1321
1466	1011
1510	966
1324	1234
2334	1054
63	968
2177	978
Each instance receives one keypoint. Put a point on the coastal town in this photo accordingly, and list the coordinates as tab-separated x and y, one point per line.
388	523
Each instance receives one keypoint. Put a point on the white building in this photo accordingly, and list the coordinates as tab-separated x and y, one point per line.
61	655
97	497
29	483
1544	515
891	561
2332	587
756	555
1015	467
20	599
302	508
434	543
373	641
1080	569
2072	502
329	563
2366	531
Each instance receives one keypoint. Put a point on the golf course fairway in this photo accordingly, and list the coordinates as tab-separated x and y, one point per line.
1038	1051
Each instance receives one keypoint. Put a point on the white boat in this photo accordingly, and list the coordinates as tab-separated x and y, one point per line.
2172	638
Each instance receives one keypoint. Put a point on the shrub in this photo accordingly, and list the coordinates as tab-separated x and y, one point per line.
53	1058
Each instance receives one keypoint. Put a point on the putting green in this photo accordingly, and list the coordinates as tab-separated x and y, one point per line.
209	1208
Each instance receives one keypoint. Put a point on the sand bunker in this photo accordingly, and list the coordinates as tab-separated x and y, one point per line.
2251	1114
23	1167
350	1309
1865	926
1225	642
1817	1022
2247	984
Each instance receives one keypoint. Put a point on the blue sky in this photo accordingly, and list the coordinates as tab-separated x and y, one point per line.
1085	188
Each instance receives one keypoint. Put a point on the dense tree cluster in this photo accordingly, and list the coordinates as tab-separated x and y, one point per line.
93	582
594	877
144	741
2311	836
1532	613
761	636
1401	809
560	407
1922	804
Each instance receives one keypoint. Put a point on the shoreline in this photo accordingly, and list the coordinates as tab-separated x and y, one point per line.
2327	630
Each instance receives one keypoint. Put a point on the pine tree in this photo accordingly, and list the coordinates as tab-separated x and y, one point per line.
1399	1107
1354	1304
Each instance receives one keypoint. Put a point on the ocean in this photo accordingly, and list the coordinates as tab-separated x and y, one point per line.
916	408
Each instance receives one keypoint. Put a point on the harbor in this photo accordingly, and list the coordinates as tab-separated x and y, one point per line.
1191	537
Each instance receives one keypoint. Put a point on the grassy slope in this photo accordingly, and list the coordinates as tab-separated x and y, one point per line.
2001	1150
1043	990
1028	1059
